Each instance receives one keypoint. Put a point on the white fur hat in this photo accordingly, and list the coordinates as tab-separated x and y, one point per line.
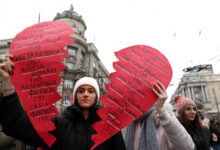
86	81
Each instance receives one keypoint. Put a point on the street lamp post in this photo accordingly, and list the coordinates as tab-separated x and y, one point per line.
213	90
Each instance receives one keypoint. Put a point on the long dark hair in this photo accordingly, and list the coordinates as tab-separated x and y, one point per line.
186	123
201	136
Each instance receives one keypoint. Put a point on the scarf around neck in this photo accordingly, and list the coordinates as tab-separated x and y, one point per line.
147	138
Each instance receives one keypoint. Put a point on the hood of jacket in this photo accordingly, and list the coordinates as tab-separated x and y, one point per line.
74	112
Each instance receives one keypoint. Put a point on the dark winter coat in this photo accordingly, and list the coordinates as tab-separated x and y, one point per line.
72	132
201	137
214	129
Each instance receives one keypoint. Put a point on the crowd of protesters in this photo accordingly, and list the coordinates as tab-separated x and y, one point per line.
157	129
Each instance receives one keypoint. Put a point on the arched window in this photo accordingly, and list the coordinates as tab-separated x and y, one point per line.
72	50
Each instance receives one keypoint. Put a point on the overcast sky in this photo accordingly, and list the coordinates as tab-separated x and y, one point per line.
187	32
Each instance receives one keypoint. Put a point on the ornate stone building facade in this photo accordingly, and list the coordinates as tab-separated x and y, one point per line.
82	61
202	85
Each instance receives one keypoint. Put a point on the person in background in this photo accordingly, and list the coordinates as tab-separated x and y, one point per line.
73	127
158	129
215	134
189	117
201	112
209	124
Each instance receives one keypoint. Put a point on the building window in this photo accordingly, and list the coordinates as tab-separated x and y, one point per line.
68	84
184	91
72	50
66	102
198	93
82	53
69	66
95	72
75	29
2	56
94	65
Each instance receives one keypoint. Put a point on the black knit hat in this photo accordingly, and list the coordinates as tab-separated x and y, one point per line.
199	104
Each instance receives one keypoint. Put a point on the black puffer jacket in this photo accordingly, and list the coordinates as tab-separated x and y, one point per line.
72	132
200	136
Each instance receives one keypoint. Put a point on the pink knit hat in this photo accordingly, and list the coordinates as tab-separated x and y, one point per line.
182	101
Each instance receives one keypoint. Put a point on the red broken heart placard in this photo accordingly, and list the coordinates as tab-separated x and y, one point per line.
130	94
37	52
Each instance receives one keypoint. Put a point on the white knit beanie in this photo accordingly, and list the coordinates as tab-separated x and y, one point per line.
86	81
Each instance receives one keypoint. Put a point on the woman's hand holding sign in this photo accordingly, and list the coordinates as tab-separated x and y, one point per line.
160	91
5	69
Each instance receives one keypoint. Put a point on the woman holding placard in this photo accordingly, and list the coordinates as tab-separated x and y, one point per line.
158	129
73	127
